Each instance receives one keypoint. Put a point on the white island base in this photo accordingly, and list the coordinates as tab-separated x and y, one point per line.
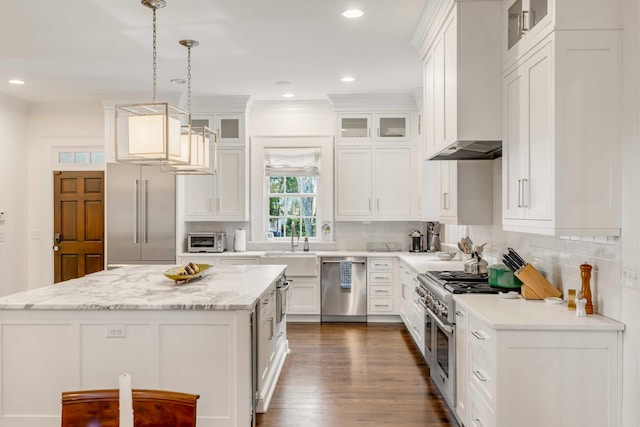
44	352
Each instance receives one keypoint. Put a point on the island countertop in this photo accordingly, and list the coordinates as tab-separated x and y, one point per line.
144	287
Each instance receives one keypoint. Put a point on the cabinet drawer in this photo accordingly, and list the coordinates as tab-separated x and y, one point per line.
376	264
480	414
380	305
380	290
380	277
482	338
238	261
482	375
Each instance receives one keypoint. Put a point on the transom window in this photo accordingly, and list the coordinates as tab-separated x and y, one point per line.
293	202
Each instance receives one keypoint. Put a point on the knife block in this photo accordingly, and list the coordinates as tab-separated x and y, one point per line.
534	285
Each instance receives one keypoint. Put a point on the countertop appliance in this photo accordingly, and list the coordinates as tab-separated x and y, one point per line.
416	241
141	215
207	241
435	291
339	302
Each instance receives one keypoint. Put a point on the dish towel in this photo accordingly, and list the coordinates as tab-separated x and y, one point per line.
345	274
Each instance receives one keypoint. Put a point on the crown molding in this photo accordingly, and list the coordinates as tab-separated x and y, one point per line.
373	102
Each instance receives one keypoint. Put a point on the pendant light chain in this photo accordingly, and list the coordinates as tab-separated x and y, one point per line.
155	56
189	81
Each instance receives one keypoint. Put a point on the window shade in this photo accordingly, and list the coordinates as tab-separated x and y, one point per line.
292	161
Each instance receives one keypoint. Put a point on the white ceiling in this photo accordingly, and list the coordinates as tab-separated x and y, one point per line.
88	50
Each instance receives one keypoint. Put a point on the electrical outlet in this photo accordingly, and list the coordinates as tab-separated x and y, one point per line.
116	331
629	275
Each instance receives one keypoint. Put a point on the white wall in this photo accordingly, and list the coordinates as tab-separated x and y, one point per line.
14	193
50	127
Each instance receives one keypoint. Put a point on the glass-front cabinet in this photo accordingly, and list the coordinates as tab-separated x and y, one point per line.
527	21
368	128
354	128
392	127
230	128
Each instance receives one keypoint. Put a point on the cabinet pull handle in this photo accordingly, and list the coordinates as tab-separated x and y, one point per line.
479	376
136	208
525	21
369	204
379	290
525	202
479	335
378	132
477	423
459	313
271	328
519	193
378	204
381	305
145	206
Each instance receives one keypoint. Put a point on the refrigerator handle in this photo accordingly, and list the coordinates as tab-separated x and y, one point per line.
144	213
136	202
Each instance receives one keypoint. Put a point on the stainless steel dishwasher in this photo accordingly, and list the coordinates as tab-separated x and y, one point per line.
341	303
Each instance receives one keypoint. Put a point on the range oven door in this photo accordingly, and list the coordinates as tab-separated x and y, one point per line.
444	358
429	337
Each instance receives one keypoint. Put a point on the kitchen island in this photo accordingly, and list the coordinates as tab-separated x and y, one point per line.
203	337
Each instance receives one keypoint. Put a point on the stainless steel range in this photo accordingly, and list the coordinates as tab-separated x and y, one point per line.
435	291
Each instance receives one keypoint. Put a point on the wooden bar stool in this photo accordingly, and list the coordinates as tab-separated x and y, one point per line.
151	408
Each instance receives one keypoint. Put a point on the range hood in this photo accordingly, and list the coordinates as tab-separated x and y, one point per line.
470	150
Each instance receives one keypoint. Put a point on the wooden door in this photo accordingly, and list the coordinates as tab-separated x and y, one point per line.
78	216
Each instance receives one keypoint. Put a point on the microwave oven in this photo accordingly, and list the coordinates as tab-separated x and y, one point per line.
207	242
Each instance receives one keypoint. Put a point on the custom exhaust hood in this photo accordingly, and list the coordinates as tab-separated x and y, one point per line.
470	150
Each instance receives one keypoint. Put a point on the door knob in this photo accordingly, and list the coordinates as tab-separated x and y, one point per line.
57	237
56	248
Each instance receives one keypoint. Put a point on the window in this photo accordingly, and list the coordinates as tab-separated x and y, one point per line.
293	202
292	179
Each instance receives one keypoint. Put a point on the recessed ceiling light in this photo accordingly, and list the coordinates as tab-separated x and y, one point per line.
348	79
283	83
352	13
16	82
178	81
288	95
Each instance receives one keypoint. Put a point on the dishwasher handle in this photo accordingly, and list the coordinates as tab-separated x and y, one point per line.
338	262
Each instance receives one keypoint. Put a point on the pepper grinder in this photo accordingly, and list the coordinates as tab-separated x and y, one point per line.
585	273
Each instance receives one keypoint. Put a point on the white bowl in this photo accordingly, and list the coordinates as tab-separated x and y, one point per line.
446	255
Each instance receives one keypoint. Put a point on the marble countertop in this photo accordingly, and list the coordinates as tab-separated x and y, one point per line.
144	287
500	313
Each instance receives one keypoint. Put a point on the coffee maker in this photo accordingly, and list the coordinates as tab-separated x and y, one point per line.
416	241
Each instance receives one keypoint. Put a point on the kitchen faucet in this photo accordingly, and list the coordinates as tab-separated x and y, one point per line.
293	233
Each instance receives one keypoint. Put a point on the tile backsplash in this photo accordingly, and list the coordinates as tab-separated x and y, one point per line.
557	258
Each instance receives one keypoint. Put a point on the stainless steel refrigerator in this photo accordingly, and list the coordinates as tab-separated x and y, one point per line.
141	215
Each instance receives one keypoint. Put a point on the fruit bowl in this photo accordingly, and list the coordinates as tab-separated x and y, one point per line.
174	273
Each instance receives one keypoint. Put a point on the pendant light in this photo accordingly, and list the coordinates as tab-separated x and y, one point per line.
196	138
150	133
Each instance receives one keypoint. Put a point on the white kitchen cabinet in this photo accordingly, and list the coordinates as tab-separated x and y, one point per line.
462	367
354	128
376	184
393	127
461	56
220	197
228	126
381	296
266	339
527	22
561	163
466	192
368	127
529	370
304	295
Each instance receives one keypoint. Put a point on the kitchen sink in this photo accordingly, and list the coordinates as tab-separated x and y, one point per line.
288	253
298	263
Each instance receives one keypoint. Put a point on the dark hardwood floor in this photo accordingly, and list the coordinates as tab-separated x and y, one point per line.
353	375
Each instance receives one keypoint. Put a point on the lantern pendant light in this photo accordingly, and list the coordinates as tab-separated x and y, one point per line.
197	138
150	133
